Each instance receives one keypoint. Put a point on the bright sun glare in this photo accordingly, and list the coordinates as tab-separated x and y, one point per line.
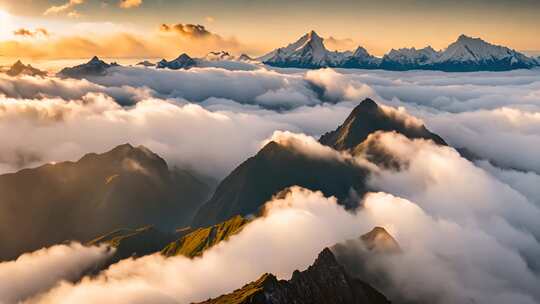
4	24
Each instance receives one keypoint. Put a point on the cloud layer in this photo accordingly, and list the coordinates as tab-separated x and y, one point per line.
36	272
477	249
474	223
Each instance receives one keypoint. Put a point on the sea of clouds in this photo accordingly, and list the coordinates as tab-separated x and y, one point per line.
469	229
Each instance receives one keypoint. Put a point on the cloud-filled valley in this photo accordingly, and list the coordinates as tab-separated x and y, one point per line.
469	210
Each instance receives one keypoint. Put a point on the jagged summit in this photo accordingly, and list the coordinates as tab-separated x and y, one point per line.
184	61
94	67
95	60
19	68
368	118
310	52
324	282
465	54
409	58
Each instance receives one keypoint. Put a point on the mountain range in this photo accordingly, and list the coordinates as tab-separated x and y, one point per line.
466	54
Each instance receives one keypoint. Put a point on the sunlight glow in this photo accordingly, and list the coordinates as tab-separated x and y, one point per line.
4	24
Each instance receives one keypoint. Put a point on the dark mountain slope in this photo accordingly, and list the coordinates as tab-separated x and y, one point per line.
277	167
273	169
126	187
325	282
94	67
368	118
134	242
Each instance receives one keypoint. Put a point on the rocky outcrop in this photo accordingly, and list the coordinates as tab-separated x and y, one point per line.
325	282
367	118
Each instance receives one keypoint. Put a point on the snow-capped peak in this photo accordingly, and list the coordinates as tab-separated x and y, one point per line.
469	49
311	38
411	56
310	51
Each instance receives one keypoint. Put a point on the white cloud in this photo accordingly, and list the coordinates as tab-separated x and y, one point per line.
36	272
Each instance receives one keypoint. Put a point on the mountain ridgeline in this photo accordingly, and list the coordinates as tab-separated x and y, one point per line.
466	54
327	281
276	167
127	187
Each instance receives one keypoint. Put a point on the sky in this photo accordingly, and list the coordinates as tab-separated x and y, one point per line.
66	27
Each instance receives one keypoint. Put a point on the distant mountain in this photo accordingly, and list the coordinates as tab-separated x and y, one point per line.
245	57
219	55
183	62
361	59
324	282
465	55
19	68
146	63
409	59
474	54
194	243
366	119
310	52
94	67
274	168
212	59
127	187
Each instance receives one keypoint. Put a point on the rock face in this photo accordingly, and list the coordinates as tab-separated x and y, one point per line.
183	62
196	242
18	68
325	282
273	169
127	187
368	118
362	257
464	55
94	67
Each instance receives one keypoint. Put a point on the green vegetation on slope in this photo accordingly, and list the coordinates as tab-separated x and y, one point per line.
196	242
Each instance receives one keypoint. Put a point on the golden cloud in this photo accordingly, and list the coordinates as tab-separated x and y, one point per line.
340	44
56	9
130	3
179	38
